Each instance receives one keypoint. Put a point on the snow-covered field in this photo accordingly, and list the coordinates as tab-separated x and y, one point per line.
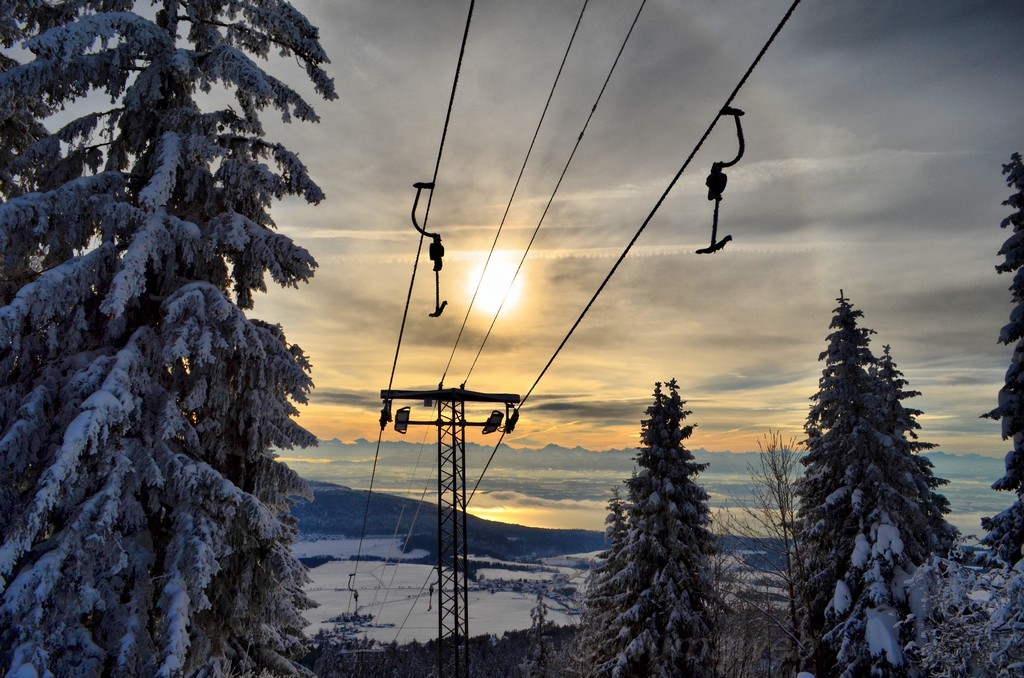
488	574
398	595
379	547
571	559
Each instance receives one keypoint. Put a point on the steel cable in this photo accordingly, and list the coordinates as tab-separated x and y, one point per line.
646	221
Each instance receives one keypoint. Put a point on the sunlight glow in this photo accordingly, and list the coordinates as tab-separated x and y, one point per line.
550	517
496	284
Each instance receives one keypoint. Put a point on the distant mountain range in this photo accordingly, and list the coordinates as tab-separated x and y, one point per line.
337	511
555	476
567	472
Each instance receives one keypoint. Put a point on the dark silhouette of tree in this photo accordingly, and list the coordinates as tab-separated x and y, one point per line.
1006	530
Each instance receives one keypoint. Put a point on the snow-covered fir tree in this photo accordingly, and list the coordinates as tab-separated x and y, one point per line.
924	509
600	588
661	590
868	511
1006	530
143	517
599	604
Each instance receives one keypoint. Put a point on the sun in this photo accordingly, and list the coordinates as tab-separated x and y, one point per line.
499	283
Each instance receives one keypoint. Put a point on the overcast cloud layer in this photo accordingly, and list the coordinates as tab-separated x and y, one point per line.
875	137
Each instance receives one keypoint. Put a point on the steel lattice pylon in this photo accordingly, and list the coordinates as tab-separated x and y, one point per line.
453	584
452	540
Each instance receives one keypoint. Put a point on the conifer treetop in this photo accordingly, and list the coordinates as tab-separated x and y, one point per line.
869	514
659	588
1006	530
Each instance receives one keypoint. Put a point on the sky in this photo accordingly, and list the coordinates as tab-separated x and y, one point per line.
875	137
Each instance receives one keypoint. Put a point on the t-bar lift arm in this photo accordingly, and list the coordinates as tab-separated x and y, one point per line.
716	183
436	250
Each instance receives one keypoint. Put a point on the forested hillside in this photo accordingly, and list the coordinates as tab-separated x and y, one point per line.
337	511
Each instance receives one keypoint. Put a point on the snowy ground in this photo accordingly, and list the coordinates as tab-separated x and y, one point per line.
398	597
491	574
378	547
572	559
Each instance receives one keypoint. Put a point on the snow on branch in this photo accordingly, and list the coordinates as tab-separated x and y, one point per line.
63	43
255	249
296	175
287	28
110	407
139	407
203	328
52	295
168	158
152	246
57	217
255	89
152	243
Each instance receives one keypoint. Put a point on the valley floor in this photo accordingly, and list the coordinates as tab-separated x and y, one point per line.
397	595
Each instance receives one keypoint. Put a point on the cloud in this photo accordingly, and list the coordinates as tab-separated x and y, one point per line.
305	460
872	165
849	29
341	233
506	498
363	399
584	408
965	377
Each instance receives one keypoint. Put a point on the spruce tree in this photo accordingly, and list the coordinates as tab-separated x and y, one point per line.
601	590
143	517
923	511
1006	530
868	513
662	593
600	583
